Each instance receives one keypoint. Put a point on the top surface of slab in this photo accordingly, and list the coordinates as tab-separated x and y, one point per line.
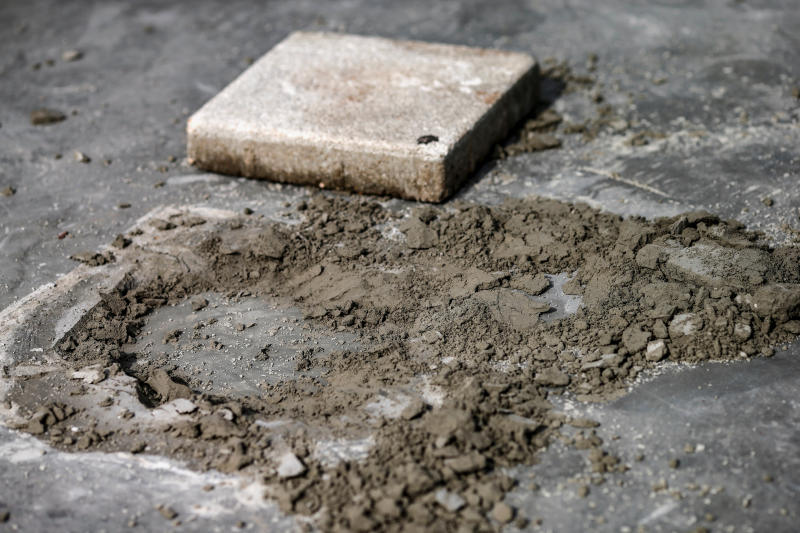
364	93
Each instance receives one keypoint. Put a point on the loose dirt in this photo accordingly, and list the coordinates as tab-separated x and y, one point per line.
450	308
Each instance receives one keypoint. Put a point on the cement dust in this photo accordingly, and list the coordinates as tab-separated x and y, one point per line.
455	305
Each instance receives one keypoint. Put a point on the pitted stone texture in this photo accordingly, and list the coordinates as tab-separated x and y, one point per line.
372	115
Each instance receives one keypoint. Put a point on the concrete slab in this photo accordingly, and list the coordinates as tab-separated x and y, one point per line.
372	115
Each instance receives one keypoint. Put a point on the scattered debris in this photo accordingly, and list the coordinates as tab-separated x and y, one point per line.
198	304
502	512
167	512
121	242
289	466
466	291
162	225
45	116
71	55
184	406
93	258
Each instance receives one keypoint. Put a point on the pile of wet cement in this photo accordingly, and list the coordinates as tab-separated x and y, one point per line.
448	304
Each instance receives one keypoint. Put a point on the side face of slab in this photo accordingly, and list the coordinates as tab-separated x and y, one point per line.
367	114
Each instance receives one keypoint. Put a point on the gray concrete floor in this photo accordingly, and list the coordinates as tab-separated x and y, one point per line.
723	101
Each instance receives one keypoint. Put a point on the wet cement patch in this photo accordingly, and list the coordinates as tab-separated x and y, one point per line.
232	346
459	334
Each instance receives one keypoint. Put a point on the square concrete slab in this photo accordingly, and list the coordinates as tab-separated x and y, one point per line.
367	114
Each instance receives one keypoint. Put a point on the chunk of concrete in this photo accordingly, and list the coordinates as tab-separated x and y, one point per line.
372	115
289	465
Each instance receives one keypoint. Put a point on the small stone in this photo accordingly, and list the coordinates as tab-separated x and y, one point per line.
583	423
162	225
4	516
551	376
583	491
660	329
358	519
679	225
388	507
71	55
138	447
742	331
198	304
415	408
656	350
163	384
674	463
660	485
541	141
649	256
432	336
80	157
120	242
167	512
45	116
449	500
466	464
634	339
184	406
767	201
502	512
419	236
685	324
172	336
8	191
92	258
290	466
618	125
533	285
106	402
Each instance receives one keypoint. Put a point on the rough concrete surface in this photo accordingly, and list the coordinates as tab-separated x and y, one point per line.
713	85
371	115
